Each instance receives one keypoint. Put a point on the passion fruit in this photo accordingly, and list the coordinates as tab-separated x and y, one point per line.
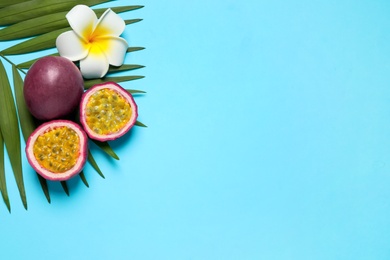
52	88
57	150
107	111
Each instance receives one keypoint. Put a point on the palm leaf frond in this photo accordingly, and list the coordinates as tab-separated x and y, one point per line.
25	10
10	130
38	23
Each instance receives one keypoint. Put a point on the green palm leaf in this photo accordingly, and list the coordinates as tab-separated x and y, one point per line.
105	146
93	163
41	42
34	26
135	91
48	23
125	67
3	184
48	40
131	49
35	8
138	123
65	187
10	131
131	21
45	187
26	120
84	180
89	83
4	3
27	64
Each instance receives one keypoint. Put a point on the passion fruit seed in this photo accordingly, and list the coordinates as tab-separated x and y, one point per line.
57	150
107	112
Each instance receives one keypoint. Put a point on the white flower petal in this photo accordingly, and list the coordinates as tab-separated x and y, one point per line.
95	65
109	24
83	20
71	46
114	48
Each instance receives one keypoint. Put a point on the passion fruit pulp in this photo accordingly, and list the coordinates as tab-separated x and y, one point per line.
57	150
107	111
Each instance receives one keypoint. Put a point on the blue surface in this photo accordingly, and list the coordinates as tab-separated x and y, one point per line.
268	138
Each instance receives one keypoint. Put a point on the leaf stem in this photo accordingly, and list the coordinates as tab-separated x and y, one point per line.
10	62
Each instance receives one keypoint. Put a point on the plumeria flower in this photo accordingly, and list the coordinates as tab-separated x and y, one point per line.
92	41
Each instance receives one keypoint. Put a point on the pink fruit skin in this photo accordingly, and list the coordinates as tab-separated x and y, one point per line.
133	119
57	176
52	88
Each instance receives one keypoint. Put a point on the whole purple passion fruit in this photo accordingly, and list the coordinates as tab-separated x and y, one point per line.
53	88
107	111
57	150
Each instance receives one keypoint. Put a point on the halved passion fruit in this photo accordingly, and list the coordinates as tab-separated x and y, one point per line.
107	111
57	150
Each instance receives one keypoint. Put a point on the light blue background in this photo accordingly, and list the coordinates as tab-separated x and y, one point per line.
268	138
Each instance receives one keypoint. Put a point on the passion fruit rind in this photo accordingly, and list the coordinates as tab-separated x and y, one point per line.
107	111
57	150
52	88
